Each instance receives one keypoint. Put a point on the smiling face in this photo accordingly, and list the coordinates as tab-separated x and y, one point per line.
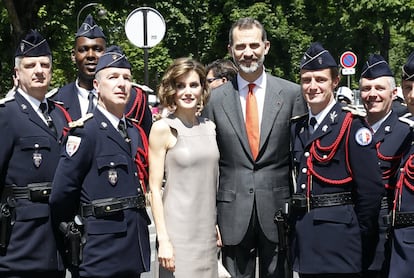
34	75
113	86
86	55
317	88
377	95
188	91
248	51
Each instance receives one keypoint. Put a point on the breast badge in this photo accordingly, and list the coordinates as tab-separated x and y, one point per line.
363	136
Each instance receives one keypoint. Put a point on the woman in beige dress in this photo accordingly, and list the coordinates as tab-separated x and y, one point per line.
183	150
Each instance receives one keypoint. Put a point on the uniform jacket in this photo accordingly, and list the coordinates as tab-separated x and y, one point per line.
25	142
116	245
137	106
402	252
392	141
329	239
244	181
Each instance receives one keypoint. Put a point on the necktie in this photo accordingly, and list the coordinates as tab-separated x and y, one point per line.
252	121
91	105
312	123
43	108
122	129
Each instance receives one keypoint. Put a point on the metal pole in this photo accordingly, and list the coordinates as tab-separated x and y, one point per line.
145	19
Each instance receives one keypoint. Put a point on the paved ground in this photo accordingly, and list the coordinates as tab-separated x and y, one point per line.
152	240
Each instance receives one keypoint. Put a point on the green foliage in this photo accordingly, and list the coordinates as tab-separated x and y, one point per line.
199	29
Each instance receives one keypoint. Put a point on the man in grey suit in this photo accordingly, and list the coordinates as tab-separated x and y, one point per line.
254	176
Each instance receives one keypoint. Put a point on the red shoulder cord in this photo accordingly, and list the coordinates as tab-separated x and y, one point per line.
67	117
387	174
406	171
141	158
328	154
138	106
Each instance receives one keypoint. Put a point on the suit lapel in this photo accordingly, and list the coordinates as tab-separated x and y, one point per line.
232	109
271	108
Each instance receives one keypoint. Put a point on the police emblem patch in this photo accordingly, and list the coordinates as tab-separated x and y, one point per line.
112	176
363	136
37	159
72	145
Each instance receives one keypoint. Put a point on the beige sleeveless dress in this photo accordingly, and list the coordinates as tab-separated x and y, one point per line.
191	171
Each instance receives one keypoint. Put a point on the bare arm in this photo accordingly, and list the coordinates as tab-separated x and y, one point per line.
160	140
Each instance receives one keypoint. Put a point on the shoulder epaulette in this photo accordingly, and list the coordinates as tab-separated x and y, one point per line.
81	121
407	121
406	115
143	87
51	93
355	110
6	99
299	117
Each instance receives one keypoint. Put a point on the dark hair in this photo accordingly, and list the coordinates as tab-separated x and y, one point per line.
180	67
247	23
222	68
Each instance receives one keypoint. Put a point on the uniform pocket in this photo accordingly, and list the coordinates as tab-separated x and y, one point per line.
34	142
339	214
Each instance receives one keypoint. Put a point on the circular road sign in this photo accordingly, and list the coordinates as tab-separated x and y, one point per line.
145	27
348	60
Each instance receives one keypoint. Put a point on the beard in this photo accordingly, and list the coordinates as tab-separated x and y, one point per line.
253	67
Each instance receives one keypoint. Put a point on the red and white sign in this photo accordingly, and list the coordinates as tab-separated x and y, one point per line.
348	60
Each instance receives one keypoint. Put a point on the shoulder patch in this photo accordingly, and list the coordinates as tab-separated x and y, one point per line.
81	121
6	99
357	111
299	117
143	87
406	120
363	136
72	144
51	93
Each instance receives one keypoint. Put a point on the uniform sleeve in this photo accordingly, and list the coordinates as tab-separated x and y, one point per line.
73	166
369	188
6	143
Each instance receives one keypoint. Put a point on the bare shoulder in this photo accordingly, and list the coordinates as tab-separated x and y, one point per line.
160	127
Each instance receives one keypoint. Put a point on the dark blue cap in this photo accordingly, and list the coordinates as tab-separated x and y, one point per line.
408	68
113	58
317	57
376	67
33	45
90	29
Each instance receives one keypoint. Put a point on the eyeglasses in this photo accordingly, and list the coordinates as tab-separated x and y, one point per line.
210	80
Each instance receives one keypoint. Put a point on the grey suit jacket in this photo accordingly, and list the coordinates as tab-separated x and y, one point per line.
243	180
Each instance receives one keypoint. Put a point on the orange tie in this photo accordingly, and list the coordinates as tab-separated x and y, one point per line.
252	121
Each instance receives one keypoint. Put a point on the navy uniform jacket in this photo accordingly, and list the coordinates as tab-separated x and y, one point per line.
392	139
137	106
117	246
24	136
329	239
402	253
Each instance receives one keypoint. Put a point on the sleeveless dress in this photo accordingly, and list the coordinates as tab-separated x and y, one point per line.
189	198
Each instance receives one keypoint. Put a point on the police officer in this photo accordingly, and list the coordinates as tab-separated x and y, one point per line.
336	204
392	139
31	128
402	216
79	96
100	175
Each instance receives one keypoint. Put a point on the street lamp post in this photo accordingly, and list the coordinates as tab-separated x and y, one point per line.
102	12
